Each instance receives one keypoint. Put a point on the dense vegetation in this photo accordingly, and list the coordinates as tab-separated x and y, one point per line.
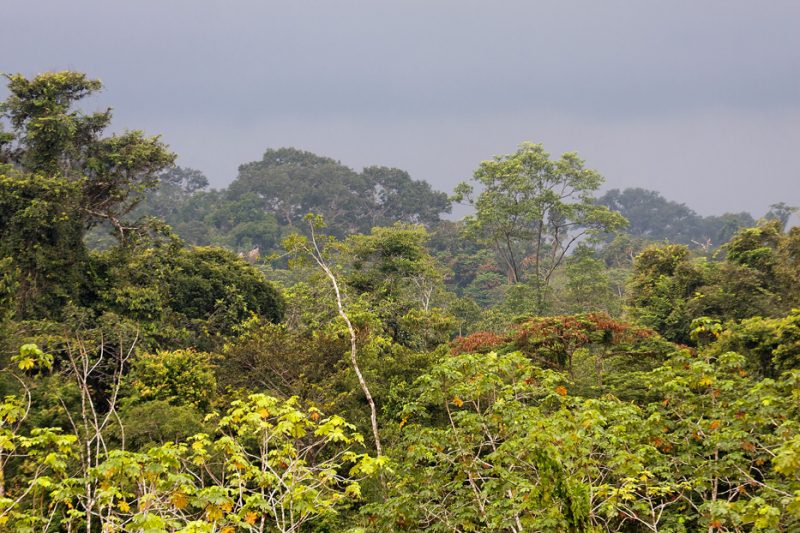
316	349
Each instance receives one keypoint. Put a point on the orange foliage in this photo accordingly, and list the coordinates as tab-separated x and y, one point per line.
480	342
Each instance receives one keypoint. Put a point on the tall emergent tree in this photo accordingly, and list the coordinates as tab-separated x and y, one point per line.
532	209
59	176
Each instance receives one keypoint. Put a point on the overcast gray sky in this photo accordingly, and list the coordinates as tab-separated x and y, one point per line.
697	99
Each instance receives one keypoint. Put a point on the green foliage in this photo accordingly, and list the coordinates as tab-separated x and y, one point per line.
201	217
152	387
268	464
402	199
393	271
145	424
39	111
758	276
257	360
66	177
178	293
54	140
31	356
492	442
178	377
771	346
8	290
210	282
599	353
41	235
270	197
477	465
42	458
532	209
588	285
664	279
719	431
772	257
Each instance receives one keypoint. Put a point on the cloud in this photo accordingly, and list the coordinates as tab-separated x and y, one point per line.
695	99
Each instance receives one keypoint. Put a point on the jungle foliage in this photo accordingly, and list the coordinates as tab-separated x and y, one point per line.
179	358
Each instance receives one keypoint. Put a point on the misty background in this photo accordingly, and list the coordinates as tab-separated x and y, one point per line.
697	100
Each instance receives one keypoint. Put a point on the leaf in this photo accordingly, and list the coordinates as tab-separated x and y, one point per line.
213	513
353	490
179	500
705	381
26	363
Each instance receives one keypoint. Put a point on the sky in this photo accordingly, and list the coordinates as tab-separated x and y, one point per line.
699	100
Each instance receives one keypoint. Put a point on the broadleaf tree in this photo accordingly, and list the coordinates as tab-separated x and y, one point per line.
532	210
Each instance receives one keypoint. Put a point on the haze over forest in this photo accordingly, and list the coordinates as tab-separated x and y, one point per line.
699	101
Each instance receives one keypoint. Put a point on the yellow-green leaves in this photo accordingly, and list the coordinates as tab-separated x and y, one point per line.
30	356
269	463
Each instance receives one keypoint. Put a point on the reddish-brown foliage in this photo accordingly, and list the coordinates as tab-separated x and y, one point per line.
552	340
480	342
578	330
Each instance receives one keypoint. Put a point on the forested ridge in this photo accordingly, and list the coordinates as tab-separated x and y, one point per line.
316	348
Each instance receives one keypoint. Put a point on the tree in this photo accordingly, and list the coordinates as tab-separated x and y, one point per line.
42	238
179	295
719	229
597	352
266	464
398	198
54	140
63	177
663	281
291	183
318	252
50	137
392	269
782	213
653	217
491	442
8	290
269	465
202	217
178	376
771	346
532	210
286	359
30	463
588	285
758	276
719	431
474	454
175	187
